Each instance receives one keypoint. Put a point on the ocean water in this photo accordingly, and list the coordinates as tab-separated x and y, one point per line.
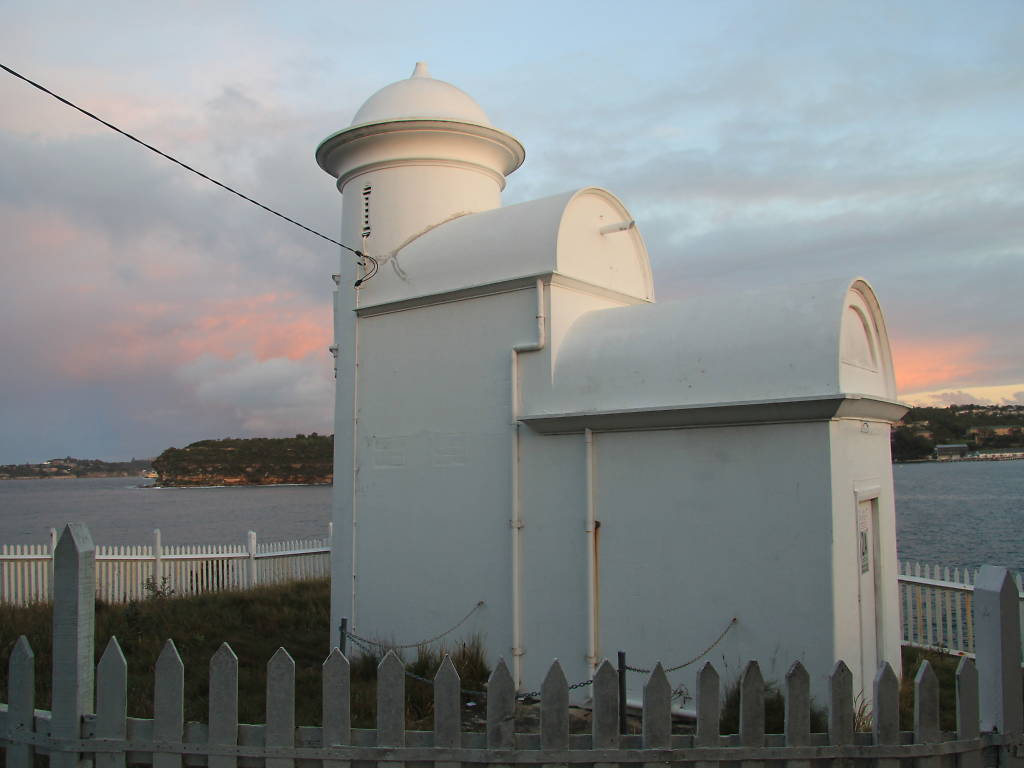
961	513
119	511
955	514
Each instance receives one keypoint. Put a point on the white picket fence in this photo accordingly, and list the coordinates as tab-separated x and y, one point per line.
936	605
89	723
133	572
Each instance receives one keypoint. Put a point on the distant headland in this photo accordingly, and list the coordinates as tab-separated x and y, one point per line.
303	459
72	467
977	430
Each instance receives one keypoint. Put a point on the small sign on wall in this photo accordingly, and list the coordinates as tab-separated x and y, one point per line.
863	529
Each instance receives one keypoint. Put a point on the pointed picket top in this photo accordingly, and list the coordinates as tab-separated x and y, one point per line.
22	650
501	708
168	704
447	705
336	696
840	714
73	658
113	656
606	707
169	658
223	658
752	706
223	704
926	704
708	709
74	540
997	643
391	701
966	699
21	692
967	710
885	720
111	682
554	709
798	706
111	702
657	720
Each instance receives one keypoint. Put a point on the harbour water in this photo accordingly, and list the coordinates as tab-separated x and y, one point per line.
120	511
961	513
955	514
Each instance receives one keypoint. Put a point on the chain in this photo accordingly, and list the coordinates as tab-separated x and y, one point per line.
698	657
369	647
537	693
412	675
428	641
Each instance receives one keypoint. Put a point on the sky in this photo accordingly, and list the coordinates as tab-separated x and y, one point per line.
756	143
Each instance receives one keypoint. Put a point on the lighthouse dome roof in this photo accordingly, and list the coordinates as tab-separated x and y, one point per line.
421	97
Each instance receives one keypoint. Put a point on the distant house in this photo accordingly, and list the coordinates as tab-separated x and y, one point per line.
951	451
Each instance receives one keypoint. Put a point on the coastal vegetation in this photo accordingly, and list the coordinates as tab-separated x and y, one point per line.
297	617
979	427
305	459
72	467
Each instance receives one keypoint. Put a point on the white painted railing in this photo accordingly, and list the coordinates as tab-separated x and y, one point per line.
132	572
936	605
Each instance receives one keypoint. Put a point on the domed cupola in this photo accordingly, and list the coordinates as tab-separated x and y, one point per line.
419	152
421	97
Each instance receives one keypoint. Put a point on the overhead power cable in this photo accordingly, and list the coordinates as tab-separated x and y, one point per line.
186	166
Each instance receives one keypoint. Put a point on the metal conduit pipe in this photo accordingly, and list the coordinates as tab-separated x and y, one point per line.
516	521
590	529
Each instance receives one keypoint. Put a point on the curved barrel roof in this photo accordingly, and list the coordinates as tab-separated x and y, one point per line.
560	234
806	342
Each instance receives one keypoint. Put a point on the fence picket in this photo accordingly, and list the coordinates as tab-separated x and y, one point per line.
840	714
752	711
336	692
501	708
926	712
111	702
280	731
657	722
709	712
885	721
391	704
21	697
605	713
554	711
447	709
798	711
168	704
967	710
223	704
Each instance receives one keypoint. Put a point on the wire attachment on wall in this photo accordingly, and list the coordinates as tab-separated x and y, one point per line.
364	257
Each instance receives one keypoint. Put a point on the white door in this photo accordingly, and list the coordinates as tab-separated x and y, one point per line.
868	592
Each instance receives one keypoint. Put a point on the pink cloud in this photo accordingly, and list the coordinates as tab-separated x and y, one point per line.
923	364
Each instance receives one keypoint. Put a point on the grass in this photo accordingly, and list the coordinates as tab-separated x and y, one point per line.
254	623
297	614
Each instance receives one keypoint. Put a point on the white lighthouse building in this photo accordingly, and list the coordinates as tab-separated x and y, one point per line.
519	424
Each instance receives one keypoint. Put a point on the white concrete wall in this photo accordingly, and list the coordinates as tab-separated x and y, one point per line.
700	525
861	465
554	553
432	466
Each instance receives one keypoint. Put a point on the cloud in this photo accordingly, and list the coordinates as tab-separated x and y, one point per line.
275	396
959	397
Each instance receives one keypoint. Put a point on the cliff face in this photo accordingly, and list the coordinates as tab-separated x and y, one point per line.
256	461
